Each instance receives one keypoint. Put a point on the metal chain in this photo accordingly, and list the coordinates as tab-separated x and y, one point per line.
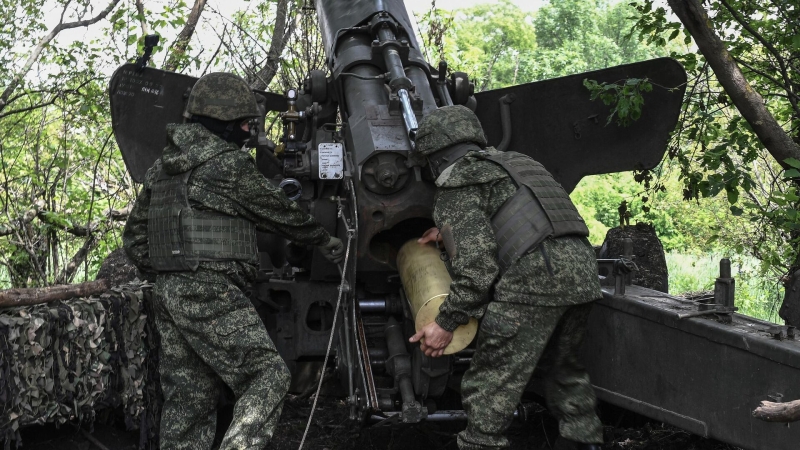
350	234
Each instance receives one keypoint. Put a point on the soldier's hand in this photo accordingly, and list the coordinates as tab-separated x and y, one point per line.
432	339
333	251
430	236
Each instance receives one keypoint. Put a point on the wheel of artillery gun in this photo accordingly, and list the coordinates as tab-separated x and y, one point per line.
317	85
460	88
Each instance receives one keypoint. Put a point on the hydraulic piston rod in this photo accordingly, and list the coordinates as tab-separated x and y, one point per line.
398	80
409	119
399	365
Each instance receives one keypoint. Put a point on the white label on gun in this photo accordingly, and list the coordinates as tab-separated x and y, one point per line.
331	161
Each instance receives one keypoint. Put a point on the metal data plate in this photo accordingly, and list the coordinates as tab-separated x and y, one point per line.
331	161
554	122
144	101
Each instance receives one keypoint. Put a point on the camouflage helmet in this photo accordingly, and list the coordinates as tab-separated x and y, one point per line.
447	126
222	96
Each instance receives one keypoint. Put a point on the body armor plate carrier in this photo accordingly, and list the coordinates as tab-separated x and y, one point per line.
180	237
540	209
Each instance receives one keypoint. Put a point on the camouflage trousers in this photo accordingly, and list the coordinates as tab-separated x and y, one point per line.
512	339
211	334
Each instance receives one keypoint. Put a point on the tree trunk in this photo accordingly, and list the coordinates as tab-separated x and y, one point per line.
142	20
778	412
176	55
280	36
790	310
35	296
749	103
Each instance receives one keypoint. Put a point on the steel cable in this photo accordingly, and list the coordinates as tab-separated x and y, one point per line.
350	233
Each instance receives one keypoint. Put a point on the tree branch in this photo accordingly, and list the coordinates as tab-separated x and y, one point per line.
181	42
778	412
49	218
37	51
30	108
280	36
34	259
55	96
60	223
749	67
69	270
29	92
35	296
118	215
142	20
771	48
749	103
216	52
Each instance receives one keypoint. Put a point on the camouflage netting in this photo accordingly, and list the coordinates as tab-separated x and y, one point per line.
118	269
648	254
64	361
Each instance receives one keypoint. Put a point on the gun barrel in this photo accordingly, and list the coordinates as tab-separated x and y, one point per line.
338	16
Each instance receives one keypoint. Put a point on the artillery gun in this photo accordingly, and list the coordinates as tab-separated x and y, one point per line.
347	156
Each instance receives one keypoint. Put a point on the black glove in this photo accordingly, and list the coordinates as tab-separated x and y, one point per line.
333	251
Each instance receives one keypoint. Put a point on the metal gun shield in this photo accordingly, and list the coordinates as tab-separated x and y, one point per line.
143	102
555	122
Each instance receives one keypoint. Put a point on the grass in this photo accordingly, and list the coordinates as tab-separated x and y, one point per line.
756	295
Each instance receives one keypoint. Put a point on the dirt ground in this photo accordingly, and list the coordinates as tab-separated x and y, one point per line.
333	431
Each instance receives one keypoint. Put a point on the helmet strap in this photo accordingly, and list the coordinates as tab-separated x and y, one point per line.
228	130
448	156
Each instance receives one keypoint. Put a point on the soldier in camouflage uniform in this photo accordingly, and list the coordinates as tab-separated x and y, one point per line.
541	289
192	229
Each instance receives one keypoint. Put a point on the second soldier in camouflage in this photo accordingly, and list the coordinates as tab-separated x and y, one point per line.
536	260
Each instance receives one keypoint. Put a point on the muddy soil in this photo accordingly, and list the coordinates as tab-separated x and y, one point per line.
332	430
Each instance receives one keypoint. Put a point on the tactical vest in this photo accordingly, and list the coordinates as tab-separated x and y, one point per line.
180	237
540	209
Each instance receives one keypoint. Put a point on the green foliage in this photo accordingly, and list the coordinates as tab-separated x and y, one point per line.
500	45
714	149
569	36
60	172
597	229
695	234
598	198
744	201
56	179
577	36
756	294
625	95
487	41
681	226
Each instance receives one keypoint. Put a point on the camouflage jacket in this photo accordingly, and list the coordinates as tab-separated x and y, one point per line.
224	180
468	195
